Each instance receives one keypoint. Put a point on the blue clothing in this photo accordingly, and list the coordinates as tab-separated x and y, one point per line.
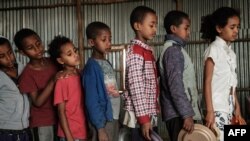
98	105
179	96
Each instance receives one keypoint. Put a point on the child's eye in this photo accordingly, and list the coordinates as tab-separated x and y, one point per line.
28	47
10	52
75	50
1	56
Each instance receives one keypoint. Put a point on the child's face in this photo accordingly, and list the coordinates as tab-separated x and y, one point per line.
69	55
146	30
7	58
183	30
102	42
229	32
33	47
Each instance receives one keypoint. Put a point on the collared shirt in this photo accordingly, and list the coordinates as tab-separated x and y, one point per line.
141	82
224	75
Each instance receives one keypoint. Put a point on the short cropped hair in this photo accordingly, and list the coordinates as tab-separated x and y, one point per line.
174	18
21	35
138	14
94	28
4	40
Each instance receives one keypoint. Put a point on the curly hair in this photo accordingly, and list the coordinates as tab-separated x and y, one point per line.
55	48
217	18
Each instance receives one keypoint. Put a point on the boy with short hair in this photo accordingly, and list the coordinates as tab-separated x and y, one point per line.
179	96
37	80
102	98
141	105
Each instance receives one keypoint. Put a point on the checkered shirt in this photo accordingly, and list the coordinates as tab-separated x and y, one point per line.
141	81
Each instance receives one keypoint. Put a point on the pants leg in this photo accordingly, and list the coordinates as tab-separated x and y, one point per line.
174	126
45	133
136	134
14	137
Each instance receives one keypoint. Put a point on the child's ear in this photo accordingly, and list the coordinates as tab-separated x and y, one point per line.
137	26
91	42
218	29
60	61
173	28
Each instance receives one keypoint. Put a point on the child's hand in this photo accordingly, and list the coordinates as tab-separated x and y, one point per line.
102	135
210	119
61	74
146	127
188	124
113	91
70	139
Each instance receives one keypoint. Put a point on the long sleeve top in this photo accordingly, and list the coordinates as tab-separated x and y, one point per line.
141	82
179	96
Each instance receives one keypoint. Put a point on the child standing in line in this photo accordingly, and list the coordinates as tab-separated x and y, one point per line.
37	80
141	106
14	117
179	95
102	97
220	79
68	94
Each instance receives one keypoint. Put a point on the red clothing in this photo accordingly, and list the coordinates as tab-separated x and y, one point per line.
141	82
69	90
36	80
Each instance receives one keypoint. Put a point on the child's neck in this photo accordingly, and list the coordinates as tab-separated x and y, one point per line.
70	70
38	63
98	55
227	42
139	37
12	72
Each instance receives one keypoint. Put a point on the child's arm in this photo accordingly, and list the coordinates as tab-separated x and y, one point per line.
64	122
208	74
237	105
102	135
39	98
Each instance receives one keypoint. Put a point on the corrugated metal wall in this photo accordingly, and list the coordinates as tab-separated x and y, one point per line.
53	17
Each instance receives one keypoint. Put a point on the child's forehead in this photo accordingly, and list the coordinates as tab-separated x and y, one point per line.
5	47
185	20
149	15
31	38
103	32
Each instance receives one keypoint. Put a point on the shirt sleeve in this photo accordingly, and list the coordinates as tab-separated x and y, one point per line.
136	86
26	82
174	68
94	109
211	52
61	92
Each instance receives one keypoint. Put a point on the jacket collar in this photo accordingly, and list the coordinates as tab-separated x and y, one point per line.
178	40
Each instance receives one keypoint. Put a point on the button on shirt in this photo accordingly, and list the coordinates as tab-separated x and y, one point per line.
224	75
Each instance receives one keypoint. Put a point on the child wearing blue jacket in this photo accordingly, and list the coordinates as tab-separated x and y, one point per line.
102	98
